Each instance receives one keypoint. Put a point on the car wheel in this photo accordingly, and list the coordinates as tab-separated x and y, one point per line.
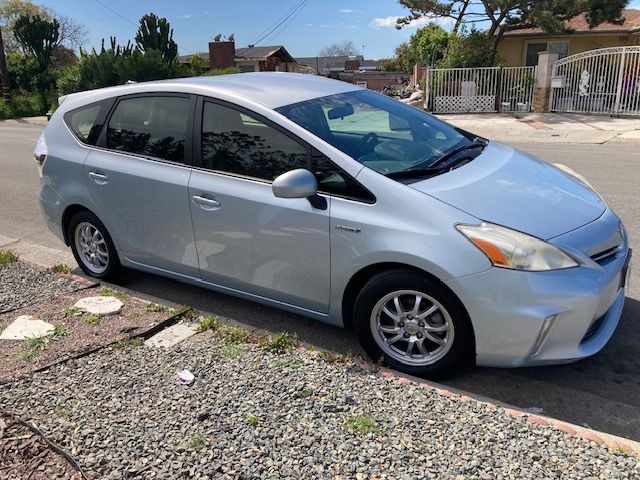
92	246
416	324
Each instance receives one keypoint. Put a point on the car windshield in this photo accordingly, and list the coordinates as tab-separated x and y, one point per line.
385	135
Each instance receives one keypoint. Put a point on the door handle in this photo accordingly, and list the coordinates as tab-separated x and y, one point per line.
99	178
206	203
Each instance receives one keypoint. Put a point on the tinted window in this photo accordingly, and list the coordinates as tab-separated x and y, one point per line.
238	143
335	181
85	122
150	126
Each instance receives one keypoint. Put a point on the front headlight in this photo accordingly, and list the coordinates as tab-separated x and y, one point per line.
508	248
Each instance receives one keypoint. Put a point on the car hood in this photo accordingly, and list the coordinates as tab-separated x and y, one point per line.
510	188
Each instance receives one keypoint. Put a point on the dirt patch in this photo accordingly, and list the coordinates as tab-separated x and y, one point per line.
23	454
75	333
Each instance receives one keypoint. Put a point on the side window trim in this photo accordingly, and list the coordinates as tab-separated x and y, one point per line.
188	147
197	145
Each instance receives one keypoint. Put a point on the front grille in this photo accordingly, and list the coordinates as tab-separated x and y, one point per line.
593	328
605	255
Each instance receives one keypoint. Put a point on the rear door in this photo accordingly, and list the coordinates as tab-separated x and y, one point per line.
138	179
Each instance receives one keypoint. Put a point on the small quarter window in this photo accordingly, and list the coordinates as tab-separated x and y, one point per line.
86	122
333	180
150	126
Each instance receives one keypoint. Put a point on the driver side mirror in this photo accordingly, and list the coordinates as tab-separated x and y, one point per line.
299	183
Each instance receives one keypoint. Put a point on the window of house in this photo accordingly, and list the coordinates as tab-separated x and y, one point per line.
533	48
241	144
150	126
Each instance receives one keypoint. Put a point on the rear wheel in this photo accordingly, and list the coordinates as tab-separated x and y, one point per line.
92	246
414	322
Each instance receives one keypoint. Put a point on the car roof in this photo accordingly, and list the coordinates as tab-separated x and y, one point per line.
271	89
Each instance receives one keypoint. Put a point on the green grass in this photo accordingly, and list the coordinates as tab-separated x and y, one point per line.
281	343
196	442
621	451
134	314
210	322
232	350
232	334
305	393
289	363
155	308
61	268
33	347
92	319
363	425
253	420
71	312
127	343
184	312
8	256
111	292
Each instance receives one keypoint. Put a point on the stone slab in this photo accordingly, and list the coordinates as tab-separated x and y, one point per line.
100	305
172	335
26	326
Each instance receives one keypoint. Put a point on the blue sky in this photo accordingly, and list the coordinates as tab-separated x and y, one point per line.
319	23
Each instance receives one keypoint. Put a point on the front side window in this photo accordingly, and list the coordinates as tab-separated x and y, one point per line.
150	126
238	143
384	134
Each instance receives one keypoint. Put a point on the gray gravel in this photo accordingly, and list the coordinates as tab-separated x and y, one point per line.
122	415
22	284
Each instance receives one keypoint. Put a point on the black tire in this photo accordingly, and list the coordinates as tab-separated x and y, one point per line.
112	267
454	354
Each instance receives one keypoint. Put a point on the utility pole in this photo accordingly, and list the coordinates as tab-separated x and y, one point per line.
4	73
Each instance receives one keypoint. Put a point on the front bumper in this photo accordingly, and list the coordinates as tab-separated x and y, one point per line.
508	310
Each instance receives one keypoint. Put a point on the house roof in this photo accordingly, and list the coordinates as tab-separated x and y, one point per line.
580	25
255	53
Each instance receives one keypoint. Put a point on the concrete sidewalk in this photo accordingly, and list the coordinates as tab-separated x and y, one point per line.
548	127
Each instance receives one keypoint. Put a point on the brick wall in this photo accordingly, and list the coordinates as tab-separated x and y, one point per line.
221	54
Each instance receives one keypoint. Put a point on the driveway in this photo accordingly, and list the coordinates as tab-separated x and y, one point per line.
602	392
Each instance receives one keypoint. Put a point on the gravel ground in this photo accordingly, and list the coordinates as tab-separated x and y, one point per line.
81	335
252	414
23	454
22	284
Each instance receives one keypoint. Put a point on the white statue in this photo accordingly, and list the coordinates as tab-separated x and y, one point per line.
583	86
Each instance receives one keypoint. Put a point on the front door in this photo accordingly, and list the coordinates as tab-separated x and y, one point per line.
138	180
247	239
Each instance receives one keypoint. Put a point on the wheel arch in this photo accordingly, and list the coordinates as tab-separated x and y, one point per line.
68	214
362	276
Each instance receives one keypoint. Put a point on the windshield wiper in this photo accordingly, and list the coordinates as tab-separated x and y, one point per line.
470	146
417	172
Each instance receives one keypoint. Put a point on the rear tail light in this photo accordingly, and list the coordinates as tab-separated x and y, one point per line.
40	153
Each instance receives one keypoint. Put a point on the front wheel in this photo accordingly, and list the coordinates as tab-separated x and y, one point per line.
92	246
414	322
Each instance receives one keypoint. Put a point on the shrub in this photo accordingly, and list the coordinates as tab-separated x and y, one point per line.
221	71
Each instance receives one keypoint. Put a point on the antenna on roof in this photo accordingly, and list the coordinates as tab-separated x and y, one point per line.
217	37
230	38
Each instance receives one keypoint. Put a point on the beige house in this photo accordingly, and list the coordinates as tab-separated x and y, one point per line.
521	47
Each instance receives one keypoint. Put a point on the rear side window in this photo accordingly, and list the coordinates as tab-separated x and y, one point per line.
86	122
150	126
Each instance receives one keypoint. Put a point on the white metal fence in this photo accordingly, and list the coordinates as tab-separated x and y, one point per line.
482	89
606	80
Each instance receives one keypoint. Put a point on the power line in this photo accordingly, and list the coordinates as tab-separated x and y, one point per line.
135	24
298	7
286	24
272	25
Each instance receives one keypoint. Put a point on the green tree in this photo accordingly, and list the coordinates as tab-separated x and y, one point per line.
468	49
196	65
426	46
156	33
502	16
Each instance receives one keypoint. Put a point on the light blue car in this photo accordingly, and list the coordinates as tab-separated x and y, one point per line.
340	204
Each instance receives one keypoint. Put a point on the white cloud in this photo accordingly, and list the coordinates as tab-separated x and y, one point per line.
186	16
392	21
345	10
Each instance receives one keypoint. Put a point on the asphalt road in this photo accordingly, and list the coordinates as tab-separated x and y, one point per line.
602	392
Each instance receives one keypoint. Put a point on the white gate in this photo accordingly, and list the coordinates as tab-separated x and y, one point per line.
606	80
482	89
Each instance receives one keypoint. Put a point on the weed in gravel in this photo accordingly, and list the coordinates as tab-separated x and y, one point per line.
210	322
363	425
8	256
127	342
305	393
196	442
62	412
281	343
331	357
92	319
134	314
621	451
232	350
289	363
184	312
231	334
71	312
253	420
61	268
111	292
35	345
155	308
